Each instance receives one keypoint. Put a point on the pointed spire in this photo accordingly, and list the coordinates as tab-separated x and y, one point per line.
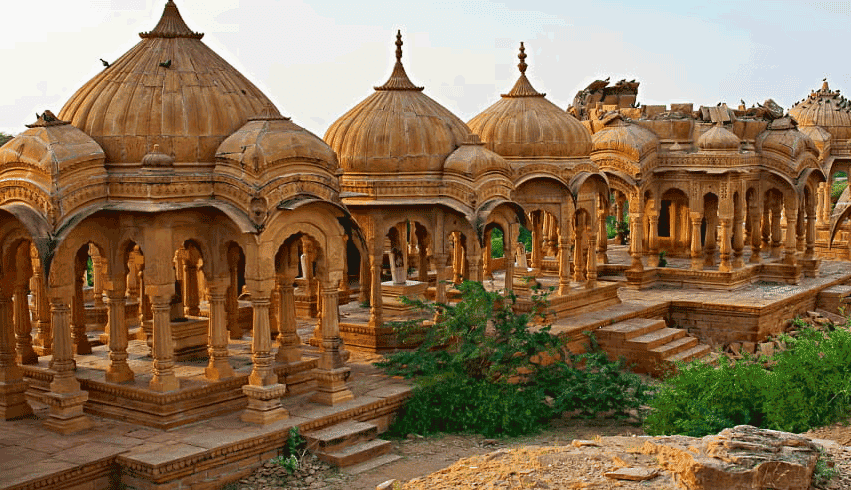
398	79
171	25
523	88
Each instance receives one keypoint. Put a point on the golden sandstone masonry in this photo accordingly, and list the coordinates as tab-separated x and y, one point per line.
166	233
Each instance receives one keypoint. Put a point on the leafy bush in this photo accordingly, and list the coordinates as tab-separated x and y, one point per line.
808	385
497	243
480	369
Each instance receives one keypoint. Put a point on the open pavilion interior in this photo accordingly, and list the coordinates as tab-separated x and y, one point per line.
176	253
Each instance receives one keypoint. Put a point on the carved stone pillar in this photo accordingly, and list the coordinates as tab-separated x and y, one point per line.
578	249
263	390
441	277
738	244
191	296
78	319
97	274
133	273
776	231
710	243
118	371
376	304
653	240
218	366
765	227
365	282
289	343
592	260
537	237
809	251
636	236
344	279
457	259
422	267
13	403
232	295
755	235
65	398
564	264
163	378
696	246
827	205
724	266
23	327
331	371
43	341
800	231
475	265
820	203
602	240
791	249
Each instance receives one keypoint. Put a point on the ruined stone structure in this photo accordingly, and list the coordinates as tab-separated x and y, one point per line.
205	215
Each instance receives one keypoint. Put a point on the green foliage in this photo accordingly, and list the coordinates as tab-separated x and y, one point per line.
702	400
290	460
452	402
824	470
5	137
475	372
837	187
497	243
663	262
601	386
807	385
525	237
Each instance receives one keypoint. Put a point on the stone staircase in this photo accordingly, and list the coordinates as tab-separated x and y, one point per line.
351	445
650	346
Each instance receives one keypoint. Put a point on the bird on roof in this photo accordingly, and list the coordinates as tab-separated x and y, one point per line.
165	64
105	63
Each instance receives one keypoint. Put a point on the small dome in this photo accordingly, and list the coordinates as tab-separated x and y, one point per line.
170	89
629	139
820	136
157	159
718	139
269	140
523	123
783	138
397	129
473	160
825	108
51	145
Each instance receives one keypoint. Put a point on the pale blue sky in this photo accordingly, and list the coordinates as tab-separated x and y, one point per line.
315	60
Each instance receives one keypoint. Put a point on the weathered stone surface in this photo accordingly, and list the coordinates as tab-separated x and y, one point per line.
740	458
632	474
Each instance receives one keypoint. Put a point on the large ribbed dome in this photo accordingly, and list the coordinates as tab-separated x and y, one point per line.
397	129
825	108
523	123
171	90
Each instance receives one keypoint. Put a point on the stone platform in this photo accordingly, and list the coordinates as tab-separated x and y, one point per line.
204	455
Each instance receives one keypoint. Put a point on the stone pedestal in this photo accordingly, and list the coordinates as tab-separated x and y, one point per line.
264	404
331	386
13	403
66	412
189	337
391	292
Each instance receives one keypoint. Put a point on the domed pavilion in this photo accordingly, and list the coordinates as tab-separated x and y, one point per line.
179	180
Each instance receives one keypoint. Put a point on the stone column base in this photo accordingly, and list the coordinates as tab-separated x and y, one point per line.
218	369
264	404
163	384
331	386
66	412
120	373
13	403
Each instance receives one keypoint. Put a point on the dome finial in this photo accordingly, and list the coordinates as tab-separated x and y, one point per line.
522	65
398	79
171	25
824	86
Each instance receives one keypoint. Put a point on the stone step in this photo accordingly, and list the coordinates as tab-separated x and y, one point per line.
359	468
627	329
656	338
674	347
338	437
696	352
357	453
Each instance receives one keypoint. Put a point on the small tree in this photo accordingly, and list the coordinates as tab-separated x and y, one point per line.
5	137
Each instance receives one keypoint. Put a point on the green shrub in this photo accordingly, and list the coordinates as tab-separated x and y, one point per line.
466	360
496	243
805	386
455	403
812	381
